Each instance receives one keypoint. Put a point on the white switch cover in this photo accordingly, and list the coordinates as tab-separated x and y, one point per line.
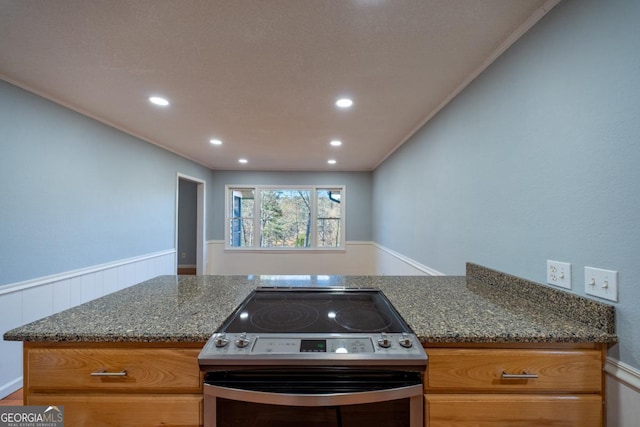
601	283
559	274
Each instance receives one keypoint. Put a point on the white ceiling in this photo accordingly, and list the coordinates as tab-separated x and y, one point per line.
261	75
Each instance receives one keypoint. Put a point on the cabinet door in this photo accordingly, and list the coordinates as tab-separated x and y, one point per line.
459	410
489	370
132	370
125	410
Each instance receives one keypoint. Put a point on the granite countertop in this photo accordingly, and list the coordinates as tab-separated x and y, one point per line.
483	307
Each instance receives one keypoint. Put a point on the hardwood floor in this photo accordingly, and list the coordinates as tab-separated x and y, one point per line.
14	399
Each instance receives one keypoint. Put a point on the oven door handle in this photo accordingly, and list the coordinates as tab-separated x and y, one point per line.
311	400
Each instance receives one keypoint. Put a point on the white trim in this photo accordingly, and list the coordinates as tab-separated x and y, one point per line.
428	270
284	250
348	242
31	283
623	372
519	32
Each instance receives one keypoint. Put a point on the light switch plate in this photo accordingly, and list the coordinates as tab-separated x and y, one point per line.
601	283
559	274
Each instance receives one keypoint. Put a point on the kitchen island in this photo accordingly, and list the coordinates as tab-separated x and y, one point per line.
138	347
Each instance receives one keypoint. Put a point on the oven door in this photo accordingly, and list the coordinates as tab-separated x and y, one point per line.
341	397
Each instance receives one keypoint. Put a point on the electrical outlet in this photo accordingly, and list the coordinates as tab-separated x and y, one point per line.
559	274
601	283
183	255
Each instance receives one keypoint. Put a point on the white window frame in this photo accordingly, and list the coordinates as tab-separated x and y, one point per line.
257	226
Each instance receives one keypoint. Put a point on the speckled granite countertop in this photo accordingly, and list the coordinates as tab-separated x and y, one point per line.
485	306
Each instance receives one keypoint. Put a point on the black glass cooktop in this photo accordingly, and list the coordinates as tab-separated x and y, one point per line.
317	310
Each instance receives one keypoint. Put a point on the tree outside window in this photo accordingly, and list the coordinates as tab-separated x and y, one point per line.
290	218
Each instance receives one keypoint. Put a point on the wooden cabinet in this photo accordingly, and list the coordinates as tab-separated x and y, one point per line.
150	384
528	386
116	384
468	410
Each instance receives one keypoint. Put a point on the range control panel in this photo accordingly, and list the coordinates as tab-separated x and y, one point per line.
274	344
364	349
327	345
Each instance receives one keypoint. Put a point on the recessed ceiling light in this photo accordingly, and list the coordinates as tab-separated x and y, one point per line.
344	102
336	143
331	162
158	101
243	161
215	141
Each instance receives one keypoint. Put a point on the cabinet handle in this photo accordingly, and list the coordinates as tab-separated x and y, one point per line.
522	376
104	373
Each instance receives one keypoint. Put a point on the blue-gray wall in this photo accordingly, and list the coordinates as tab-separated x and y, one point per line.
76	193
539	158
358	195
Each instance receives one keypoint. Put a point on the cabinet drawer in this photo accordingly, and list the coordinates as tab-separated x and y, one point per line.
481	370
125	410
154	370
455	410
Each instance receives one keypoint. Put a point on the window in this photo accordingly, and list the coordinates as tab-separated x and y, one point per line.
293	217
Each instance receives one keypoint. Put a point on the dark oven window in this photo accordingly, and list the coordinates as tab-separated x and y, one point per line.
393	413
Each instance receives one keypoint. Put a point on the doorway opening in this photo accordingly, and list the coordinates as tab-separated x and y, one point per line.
190	214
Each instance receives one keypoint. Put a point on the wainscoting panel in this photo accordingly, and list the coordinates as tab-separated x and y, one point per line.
356	259
623	394
31	300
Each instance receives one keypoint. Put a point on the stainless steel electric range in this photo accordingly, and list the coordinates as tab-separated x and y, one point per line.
313	356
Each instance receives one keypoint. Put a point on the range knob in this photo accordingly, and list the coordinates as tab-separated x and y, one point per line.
221	340
383	341
405	341
242	340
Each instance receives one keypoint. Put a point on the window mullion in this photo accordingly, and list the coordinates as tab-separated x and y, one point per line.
343	218
313	199
227	216
257	217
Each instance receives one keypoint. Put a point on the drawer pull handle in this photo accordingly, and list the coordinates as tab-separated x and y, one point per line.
104	373
522	376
